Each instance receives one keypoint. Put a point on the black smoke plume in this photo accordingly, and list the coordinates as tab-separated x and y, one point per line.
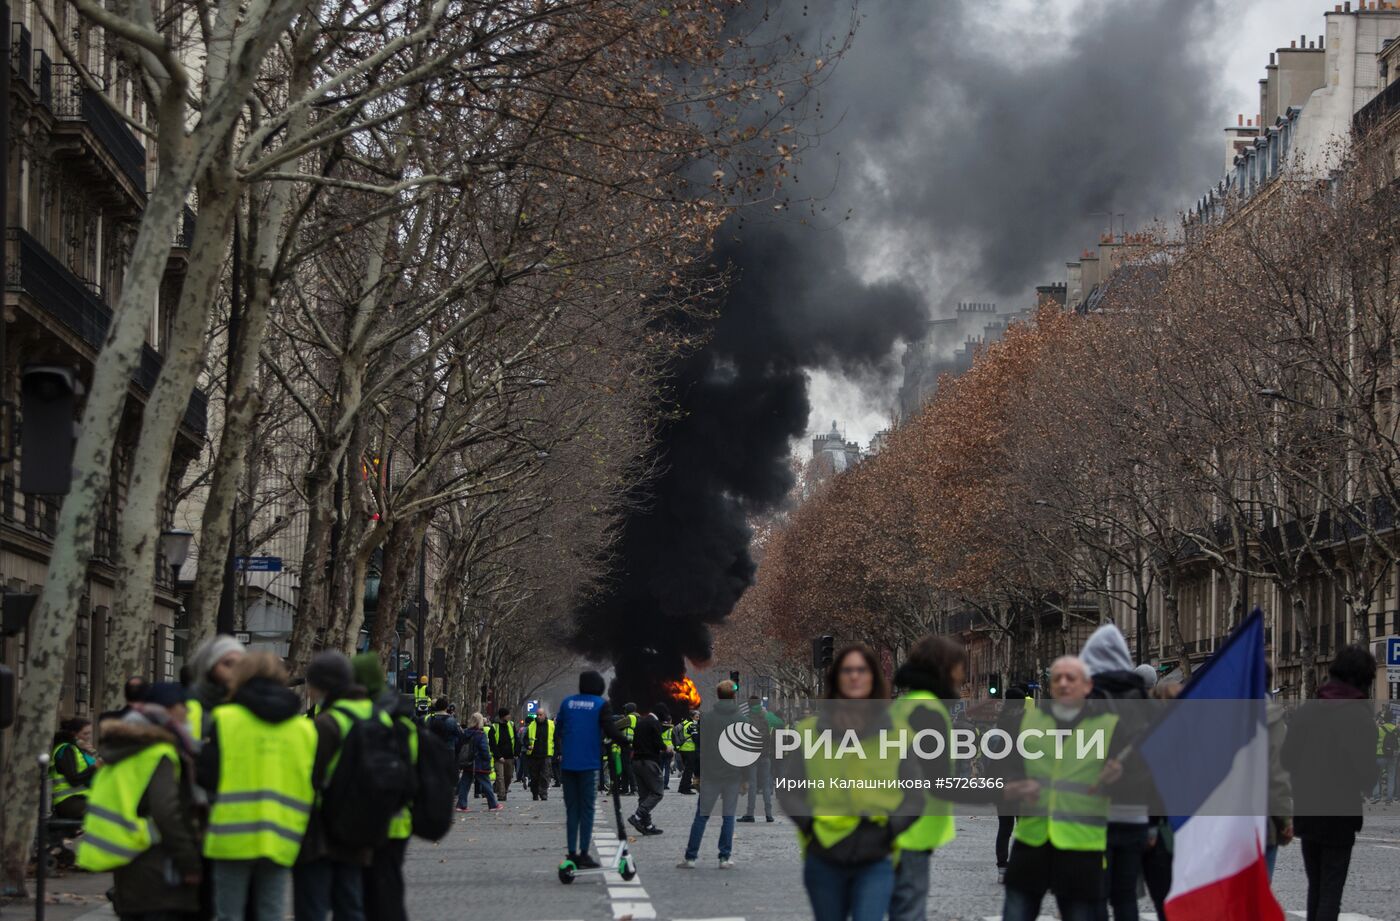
975	148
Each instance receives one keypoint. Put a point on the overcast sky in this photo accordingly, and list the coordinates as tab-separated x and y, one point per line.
1219	78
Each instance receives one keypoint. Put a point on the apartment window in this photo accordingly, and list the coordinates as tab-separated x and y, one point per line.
82	664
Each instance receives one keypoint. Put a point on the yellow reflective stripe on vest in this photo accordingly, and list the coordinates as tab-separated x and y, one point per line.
264	800
687	736
1066	813
935	828
114	834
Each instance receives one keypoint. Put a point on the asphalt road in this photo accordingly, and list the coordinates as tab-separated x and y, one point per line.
503	865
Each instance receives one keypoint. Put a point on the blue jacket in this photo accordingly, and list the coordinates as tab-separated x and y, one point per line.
579	728
475	753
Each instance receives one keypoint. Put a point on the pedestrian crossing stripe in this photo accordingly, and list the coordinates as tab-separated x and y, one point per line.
633	910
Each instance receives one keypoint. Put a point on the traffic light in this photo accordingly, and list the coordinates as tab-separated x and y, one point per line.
48	428
734	677
994	684
823	652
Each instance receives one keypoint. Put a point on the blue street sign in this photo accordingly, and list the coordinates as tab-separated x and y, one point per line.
531	707
257	564
1392	652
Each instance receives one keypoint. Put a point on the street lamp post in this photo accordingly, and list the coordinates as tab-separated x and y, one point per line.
175	547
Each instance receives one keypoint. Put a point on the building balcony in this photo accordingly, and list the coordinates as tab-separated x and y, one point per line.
1378	110
80	307
84	115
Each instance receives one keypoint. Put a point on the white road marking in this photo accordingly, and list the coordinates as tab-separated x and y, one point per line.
633	893
633	910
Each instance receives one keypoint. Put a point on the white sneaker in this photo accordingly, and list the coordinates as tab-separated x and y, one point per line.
686	865
727	864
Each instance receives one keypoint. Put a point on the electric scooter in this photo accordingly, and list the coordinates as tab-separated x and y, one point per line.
624	865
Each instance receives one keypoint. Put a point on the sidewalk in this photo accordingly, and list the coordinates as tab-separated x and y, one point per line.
73	896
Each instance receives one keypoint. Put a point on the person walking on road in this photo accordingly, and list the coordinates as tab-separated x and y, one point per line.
383	878
1008	721
1387	754
1115	678
932	676
256	765
584	719
759	775
686	750
501	734
539	751
1061	836
475	762
847	835
1330	753
648	751
722	785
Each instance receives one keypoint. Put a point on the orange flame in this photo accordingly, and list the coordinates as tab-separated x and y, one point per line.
685	691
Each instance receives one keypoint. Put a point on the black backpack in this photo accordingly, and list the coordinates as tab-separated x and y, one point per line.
436	787
373	780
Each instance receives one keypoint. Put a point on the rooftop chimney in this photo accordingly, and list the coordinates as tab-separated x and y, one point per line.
1240	122
1346	7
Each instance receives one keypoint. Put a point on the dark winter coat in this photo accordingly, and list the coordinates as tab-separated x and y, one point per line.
1330	752
475	754
154	882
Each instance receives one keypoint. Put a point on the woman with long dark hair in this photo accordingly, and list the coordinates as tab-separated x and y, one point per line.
846	835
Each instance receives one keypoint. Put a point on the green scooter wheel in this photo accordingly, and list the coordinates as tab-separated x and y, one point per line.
628	870
566	872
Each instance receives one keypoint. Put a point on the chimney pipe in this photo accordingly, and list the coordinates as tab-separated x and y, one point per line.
1240	122
1346	7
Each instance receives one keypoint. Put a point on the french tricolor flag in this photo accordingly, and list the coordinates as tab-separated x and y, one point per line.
1204	771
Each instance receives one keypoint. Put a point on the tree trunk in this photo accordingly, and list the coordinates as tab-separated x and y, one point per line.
51	624
1173	618
150	465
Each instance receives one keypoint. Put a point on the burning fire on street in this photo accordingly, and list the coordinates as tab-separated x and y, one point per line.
685	692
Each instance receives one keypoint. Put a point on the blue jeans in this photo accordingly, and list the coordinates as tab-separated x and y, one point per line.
910	899
760	777
1025	906
838	893
255	888
727	793
482	783
322	888
579	797
1385	778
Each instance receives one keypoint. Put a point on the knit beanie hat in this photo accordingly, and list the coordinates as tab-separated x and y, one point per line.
329	671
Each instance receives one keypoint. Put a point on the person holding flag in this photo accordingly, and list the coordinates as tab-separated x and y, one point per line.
1206	769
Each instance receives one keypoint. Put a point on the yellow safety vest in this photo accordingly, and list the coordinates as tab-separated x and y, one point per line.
61	788
114	834
1066	813
631	726
837	811
687	736
1383	730
549	738
265	794
194	718
420	692
401	825
935	828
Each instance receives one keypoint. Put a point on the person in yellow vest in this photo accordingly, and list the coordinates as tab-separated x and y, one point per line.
328	880
256	766
383	878
1062	832
688	731
211	670
421	695
501	736
72	767
1387	755
847	832
932	675
140	821
539	751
